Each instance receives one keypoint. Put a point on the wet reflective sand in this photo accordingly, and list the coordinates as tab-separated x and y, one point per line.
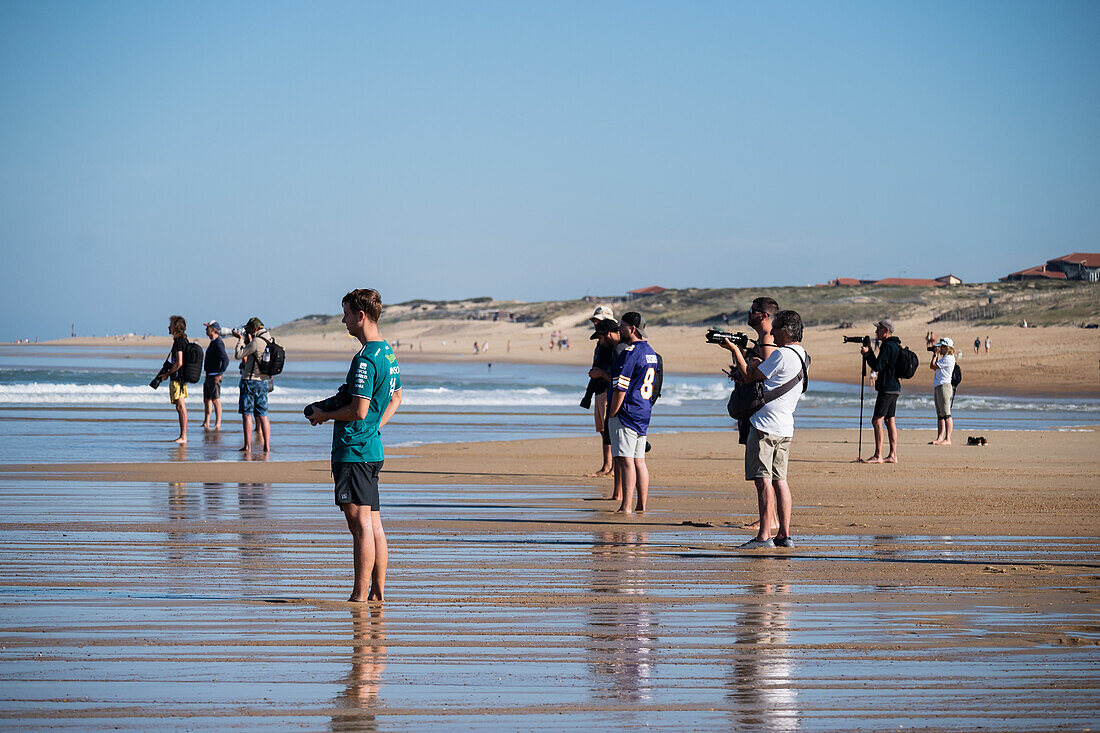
138	606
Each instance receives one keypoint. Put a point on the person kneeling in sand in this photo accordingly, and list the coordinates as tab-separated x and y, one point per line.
374	387
771	428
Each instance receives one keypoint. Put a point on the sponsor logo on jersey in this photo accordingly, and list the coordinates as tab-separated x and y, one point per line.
651	358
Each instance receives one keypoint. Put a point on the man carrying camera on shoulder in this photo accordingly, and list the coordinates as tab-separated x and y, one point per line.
888	387
771	427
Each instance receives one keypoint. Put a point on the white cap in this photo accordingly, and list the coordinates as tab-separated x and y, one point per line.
945	342
603	313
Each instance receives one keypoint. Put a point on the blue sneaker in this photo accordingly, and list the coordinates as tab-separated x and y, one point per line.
755	544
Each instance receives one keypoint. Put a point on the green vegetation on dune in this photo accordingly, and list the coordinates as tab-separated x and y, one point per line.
1043	303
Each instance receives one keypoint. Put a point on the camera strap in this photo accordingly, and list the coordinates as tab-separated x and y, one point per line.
786	387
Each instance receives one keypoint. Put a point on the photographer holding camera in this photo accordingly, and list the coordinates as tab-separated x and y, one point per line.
943	364
253	386
771	426
888	387
173	371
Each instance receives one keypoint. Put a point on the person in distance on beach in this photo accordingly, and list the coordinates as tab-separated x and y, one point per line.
888	387
771	428
177	387
603	320
629	408
607	332
214	364
374	387
253	399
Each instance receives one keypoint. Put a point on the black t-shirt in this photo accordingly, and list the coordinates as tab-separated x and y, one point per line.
179	345
886	365
602	358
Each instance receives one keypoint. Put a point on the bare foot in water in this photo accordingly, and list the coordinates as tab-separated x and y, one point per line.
624	510
356	599
181	441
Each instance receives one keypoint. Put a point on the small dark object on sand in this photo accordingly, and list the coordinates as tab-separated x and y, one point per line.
976	440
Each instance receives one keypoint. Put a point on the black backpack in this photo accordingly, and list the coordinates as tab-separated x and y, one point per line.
956	376
907	364
192	363
271	361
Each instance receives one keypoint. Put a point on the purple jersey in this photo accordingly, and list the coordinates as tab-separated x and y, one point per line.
634	373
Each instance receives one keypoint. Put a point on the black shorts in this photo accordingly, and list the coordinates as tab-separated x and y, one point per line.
211	389
605	434
885	405
357	483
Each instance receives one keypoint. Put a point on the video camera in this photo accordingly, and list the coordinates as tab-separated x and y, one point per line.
714	336
331	404
864	340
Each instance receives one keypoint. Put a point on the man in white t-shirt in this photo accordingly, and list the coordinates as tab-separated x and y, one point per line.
772	426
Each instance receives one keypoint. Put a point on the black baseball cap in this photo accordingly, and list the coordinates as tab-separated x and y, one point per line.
604	325
633	318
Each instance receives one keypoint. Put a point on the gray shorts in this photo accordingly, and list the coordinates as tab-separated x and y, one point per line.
625	443
766	455
944	394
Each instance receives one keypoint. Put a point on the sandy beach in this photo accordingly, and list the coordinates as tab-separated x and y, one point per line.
1050	361
208	595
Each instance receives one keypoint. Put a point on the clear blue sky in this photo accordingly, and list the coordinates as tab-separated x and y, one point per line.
229	159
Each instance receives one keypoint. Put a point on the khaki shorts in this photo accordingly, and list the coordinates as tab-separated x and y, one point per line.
944	393
766	455
625	443
176	390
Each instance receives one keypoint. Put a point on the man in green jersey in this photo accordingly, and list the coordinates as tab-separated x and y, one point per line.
374	386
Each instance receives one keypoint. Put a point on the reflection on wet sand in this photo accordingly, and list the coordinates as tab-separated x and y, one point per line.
761	683
621	633
359	698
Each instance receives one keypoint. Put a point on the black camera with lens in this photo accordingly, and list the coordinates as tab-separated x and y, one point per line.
330	404
714	336
161	375
864	340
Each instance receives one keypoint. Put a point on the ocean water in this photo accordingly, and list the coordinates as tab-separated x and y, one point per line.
68	404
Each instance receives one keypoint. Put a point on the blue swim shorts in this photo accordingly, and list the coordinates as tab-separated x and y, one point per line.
253	400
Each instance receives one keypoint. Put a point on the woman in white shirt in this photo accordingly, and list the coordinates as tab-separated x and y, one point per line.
943	364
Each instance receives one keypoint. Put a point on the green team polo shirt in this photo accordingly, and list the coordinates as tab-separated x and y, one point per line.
374	374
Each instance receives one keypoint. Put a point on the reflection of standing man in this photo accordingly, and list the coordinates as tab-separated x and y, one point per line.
374	386
356	702
628	410
253	399
215	364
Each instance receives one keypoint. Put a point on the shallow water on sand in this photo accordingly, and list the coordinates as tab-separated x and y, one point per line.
219	606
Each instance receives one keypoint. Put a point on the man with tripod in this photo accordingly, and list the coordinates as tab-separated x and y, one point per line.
888	387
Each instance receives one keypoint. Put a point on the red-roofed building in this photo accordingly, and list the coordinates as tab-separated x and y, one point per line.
1039	272
911	281
645	292
848	281
1078	266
